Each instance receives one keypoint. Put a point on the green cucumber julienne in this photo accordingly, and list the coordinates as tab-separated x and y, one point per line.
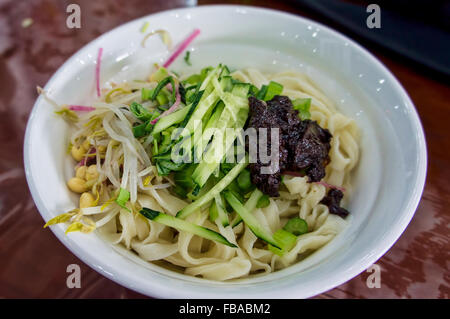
219	187
183	225
171	119
251	220
217	210
250	205
215	154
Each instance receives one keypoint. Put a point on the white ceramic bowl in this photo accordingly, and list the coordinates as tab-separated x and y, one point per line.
388	182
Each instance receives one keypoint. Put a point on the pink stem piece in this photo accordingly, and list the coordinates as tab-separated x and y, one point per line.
97	71
172	108
182	47
81	108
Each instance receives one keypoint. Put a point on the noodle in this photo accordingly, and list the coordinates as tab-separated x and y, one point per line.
126	163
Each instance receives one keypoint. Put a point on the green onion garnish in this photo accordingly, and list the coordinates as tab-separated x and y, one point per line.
139	130
302	106
273	89
123	198
146	94
140	112
296	226
162	98
263	202
262	92
285	240
149	125
161	85
186	58
244	181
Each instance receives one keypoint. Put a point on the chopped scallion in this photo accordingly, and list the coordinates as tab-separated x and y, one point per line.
244	181
139	130
285	240
302	106
263	202
187	57
161	85
140	112
162	98
296	226
146	94
262	92
273	89
123	198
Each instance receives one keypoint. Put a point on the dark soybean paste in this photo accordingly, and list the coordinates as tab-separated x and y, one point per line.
303	148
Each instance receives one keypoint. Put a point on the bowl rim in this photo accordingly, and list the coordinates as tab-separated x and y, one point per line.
379	249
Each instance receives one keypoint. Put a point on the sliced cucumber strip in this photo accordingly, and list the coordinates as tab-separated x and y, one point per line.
219	187
250	205
250	220
169	120
183	225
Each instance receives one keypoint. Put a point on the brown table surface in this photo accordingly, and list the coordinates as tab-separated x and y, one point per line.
33	262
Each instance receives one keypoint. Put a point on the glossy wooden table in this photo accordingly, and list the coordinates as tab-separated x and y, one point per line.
33	262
